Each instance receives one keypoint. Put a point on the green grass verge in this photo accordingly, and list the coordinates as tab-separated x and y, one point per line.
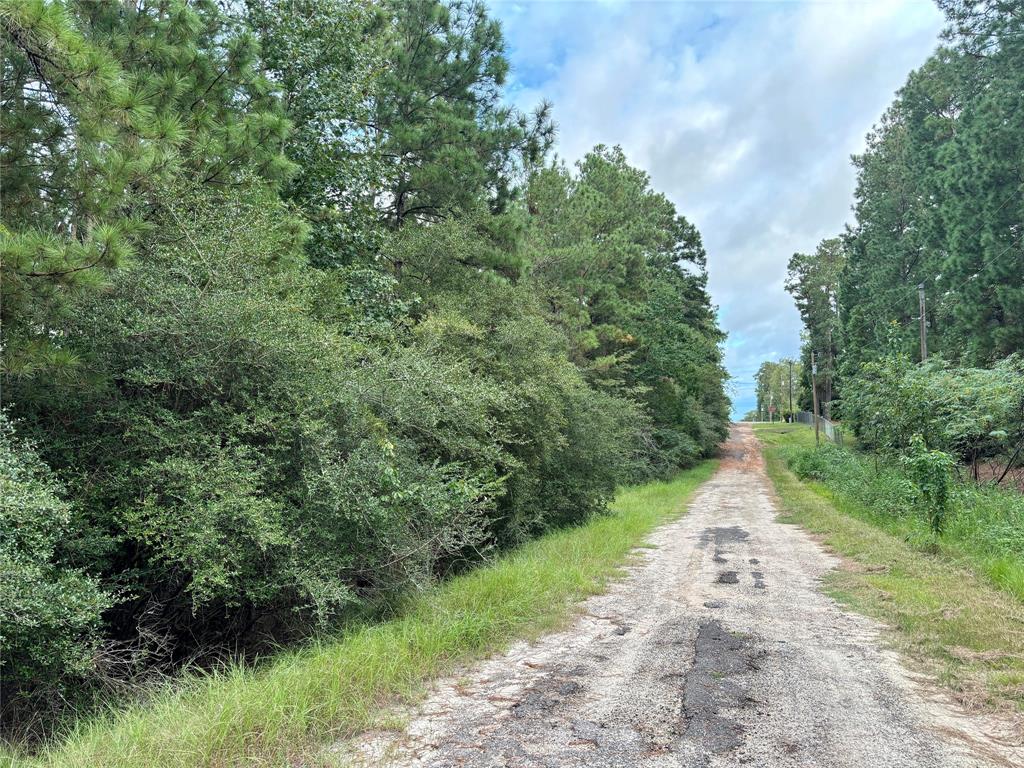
984	529
289	711
946	617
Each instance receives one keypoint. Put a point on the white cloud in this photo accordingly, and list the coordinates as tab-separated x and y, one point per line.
744	113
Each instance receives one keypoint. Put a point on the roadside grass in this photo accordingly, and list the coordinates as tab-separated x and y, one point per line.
984	529
944	613
291	710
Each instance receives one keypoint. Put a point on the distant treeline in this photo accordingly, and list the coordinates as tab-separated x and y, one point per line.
939	210
297	314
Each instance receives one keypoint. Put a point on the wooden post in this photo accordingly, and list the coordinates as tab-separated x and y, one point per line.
814	396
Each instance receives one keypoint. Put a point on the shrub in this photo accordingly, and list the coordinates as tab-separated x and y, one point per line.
817	464
971	413
234	470
884	489
257	448
561	445
49	611
931	473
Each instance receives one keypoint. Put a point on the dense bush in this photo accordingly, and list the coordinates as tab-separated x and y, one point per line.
972	413
885	489
230	452
49	610
253	446
985	519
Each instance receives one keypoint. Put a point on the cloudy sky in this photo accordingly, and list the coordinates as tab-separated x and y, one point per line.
744	113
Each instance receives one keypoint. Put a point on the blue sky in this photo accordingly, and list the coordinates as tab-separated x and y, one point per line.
744	113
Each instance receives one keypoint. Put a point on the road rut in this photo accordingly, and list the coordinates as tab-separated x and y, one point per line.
718	649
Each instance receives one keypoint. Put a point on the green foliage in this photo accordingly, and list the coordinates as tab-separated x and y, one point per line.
440	125
972	413
918	497
813	281
285	333
325	57
103	105
931	473
939	200
777	384
229	446
623	275
49	610
564	444
938	206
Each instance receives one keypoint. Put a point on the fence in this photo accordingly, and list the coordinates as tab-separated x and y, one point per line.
832	431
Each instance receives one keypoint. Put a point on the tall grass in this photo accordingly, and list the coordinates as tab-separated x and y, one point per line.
984	529
289	711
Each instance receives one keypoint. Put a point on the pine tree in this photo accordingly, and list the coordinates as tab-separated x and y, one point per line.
940	201
326	57
982	208
625	277
813	281
103	104
446	139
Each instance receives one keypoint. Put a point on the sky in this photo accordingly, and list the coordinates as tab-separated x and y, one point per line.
744	113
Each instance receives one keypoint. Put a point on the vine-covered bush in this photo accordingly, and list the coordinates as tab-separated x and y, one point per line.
972	413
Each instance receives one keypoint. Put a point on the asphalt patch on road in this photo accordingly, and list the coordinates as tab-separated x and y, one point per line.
549	693
716	686
721	538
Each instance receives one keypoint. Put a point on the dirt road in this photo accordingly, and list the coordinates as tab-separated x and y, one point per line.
718	649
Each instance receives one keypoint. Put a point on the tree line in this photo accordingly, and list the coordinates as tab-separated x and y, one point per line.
915	314
777	388
298	314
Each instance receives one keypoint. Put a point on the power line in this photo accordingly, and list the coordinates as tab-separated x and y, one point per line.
986	263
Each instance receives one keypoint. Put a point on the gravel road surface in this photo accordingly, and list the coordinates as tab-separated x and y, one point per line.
718	649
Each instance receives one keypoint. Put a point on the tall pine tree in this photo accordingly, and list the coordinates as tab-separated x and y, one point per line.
103	105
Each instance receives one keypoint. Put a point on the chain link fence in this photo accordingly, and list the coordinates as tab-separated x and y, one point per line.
832	431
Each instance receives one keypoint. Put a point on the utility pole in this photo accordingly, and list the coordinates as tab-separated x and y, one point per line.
814	396
791	390
924	323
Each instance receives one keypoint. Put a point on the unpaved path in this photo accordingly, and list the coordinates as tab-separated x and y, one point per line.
718	649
